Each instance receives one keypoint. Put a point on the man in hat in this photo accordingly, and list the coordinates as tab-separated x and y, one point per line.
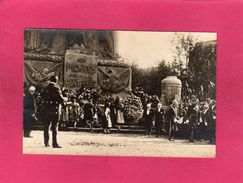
29	110
52	98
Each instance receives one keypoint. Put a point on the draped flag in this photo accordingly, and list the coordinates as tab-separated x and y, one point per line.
38	72
113	79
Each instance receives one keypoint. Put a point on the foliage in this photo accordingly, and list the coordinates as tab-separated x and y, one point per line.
183	44
199	72
150	79
203	64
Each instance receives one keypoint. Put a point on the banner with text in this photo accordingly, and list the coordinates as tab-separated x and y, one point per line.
80	70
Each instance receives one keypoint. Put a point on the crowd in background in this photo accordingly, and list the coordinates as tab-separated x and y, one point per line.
91	108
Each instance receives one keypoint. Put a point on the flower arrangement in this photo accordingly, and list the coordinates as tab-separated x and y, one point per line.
133	109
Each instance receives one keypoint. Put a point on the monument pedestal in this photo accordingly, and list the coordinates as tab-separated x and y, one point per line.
109	76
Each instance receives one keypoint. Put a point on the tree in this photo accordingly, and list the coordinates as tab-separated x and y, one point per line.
150	78
203	64
183	44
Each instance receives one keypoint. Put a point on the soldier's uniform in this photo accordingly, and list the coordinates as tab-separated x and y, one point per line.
52	98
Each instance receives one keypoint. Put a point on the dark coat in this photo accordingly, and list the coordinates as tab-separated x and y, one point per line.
193	115
29	109
89	111
52	97
212	119
170	113
29	103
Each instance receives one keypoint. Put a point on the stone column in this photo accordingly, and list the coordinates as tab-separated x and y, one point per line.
31	39
59	43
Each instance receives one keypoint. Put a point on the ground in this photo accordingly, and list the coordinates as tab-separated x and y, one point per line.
85	143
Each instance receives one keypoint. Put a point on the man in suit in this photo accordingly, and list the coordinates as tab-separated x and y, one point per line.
156	111
52	98
171	114
148	117
193	113
212	122
89	112
29	110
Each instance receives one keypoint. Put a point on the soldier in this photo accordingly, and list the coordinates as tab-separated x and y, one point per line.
52	98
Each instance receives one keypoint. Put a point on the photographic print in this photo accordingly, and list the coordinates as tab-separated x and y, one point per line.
119	93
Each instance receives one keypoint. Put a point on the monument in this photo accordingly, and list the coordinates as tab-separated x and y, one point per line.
79	57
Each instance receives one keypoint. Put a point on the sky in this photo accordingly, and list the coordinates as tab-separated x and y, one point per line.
146	48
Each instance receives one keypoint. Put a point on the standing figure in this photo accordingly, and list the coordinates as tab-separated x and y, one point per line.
29	110
64	117
89	112
75	111
193	112
119	113
171	116
113	112
148	117
158	117
205	119
107	125
212	122
52	97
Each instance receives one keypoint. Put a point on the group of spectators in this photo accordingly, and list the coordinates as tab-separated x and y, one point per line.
90	108
193	120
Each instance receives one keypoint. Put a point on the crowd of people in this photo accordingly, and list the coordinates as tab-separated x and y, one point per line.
193	119
92	108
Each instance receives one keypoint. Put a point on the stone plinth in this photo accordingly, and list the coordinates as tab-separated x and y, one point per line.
110	76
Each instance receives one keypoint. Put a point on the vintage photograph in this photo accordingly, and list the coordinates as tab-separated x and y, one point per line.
119	93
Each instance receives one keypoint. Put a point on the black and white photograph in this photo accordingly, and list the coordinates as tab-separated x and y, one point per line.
119	93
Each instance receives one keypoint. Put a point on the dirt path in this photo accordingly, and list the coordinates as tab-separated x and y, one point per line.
83	143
